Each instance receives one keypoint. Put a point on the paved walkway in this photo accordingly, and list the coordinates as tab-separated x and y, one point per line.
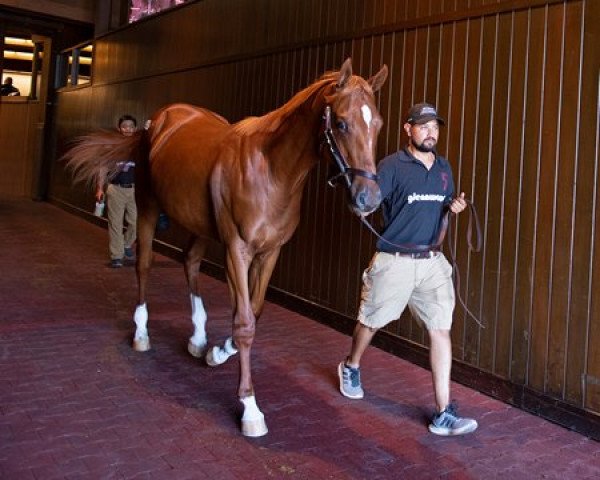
76	402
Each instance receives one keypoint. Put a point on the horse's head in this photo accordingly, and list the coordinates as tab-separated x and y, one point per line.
351	127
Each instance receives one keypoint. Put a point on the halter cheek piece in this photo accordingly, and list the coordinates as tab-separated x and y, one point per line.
346	171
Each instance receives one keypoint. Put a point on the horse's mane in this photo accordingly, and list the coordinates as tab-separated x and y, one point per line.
93	157
271	121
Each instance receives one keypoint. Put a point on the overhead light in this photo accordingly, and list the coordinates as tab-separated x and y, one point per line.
12	55
23	42
82	60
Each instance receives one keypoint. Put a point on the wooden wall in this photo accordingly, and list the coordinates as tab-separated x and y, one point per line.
517	81
77	10
16	123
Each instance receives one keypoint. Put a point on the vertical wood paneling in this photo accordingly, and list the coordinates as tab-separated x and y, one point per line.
482	283
515	339
464	180
497	335
385	103
563	244
542	277
518	85
16	127
450	103
581	316
591	387
391	129
529	195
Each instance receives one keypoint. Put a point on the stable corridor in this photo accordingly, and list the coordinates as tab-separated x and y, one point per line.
76	402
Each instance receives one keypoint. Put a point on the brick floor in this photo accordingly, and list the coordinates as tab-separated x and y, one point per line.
77	402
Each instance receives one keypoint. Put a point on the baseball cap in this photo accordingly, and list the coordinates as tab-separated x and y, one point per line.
423	113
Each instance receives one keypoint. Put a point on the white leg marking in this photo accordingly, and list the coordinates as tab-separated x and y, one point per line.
253	420
217	356
141	341
197	341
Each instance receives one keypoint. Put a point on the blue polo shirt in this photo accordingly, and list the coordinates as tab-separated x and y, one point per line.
126	173
413	199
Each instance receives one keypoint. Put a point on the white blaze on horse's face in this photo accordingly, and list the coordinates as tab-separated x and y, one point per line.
367	115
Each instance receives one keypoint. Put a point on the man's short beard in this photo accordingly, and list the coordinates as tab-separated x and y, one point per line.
424	148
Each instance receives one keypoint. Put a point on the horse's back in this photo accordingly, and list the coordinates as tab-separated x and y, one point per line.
172	120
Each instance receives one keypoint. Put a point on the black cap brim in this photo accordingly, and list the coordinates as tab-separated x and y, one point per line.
427	118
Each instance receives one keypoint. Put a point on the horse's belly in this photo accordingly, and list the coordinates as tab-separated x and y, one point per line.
182	189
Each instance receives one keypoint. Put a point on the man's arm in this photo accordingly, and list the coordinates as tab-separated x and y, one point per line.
100	184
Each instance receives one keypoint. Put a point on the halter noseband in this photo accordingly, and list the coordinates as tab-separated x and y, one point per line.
345	170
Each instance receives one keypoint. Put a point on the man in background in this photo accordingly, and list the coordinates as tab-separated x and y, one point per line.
8	89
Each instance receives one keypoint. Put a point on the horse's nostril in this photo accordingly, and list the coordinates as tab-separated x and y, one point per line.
361	199
368	200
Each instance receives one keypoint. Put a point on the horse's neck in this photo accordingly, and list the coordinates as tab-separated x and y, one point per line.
293	149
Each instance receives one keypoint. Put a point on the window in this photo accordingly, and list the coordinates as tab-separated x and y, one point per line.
75	66
143	8
21	70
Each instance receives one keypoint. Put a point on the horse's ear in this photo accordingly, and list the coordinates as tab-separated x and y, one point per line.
377	80
345	73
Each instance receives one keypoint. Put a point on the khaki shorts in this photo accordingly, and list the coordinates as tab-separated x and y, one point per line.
392	282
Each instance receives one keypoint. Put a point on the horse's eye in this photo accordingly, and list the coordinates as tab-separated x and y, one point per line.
341	125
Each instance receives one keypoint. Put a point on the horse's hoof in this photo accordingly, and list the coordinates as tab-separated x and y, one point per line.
196	350
254	428
141	344
213	357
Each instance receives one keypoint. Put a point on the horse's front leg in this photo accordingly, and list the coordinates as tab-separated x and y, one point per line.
260	274
244	327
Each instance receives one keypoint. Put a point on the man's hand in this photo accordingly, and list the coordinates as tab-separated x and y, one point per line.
99	195
458	204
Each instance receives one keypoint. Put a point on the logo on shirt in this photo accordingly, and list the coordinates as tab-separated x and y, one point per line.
125	166
444	176
425	197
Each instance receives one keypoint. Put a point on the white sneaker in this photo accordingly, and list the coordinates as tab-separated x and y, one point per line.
350	381
448	423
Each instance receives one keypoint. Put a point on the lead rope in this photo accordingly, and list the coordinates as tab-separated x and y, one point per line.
473	219
445	228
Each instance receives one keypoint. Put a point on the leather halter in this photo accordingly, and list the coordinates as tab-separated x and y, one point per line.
346	171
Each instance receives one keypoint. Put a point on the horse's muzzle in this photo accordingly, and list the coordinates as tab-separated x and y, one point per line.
366	196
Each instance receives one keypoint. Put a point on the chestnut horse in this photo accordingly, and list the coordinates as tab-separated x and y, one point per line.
241	184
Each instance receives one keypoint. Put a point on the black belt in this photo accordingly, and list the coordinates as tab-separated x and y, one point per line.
124	185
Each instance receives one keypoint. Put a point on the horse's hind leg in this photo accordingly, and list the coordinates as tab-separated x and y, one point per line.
147	217
194	255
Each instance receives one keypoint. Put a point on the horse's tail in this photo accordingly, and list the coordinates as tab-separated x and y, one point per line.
94	158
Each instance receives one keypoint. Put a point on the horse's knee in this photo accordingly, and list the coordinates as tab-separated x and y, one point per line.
243	336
